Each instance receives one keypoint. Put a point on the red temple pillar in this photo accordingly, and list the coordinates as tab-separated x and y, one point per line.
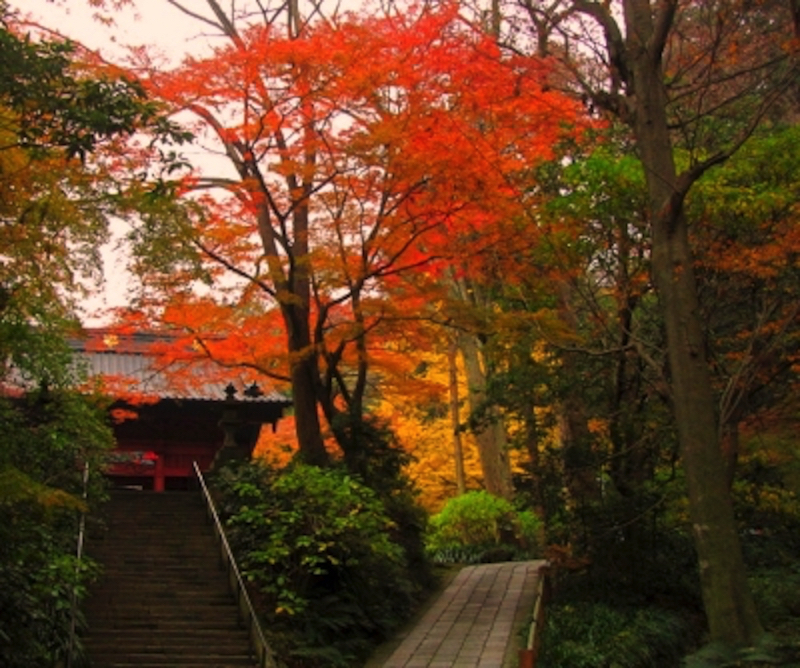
158	478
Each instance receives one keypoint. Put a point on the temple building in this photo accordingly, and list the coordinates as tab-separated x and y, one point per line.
164	421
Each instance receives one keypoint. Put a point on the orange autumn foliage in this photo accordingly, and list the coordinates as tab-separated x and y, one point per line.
360	153
279	446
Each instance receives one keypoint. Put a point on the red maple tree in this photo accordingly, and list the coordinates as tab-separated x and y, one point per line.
357	151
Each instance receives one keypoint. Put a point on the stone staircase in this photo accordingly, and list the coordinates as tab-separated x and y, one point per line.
163	599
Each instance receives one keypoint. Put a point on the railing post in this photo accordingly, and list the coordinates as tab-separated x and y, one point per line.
530	654
78	558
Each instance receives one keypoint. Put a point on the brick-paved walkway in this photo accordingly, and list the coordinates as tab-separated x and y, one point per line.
476	622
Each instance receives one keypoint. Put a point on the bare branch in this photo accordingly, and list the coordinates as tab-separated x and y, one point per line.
233	268
663	24
615	44
199	17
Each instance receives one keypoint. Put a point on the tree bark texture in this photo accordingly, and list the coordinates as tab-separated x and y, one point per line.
458	450
581	468
305	382
490	435
729	606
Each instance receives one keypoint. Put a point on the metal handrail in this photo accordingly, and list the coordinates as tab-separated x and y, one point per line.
263	652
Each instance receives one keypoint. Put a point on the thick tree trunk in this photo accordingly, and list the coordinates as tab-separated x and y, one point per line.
305	379
307	426
490	436
729	607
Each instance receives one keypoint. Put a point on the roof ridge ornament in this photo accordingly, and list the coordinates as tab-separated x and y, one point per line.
111	341
253	391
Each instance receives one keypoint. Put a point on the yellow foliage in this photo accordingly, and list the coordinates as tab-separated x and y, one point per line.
422	423
416	405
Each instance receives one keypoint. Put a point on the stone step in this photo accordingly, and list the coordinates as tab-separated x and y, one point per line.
183	526
228	662
199	609
159	590
127	569
189	661
189	583
165	610
162	598
111	649
102	648
176	625
180	633
135	552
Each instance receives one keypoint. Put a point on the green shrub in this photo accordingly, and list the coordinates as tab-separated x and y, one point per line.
775	592
316	545
478	526
42	437
374	455
768	509
594	635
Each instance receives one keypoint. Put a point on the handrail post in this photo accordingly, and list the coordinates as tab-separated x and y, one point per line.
236	582
78	558
530	654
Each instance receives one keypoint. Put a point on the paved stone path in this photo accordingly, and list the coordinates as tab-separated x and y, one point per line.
477	622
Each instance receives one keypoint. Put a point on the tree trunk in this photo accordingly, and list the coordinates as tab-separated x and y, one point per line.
458	450
305	379
307	426
729	606
581	468
490	434
531	429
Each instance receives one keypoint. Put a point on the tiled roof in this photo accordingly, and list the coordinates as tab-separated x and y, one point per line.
127	360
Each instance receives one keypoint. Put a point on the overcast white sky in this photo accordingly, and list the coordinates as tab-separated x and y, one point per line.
151	22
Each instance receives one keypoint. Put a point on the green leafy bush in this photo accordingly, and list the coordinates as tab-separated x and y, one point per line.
765	495
478	526
594	635
775	591
44	439
373	454
316	545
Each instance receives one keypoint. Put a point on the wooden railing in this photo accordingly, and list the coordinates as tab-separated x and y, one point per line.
247	613
530	653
